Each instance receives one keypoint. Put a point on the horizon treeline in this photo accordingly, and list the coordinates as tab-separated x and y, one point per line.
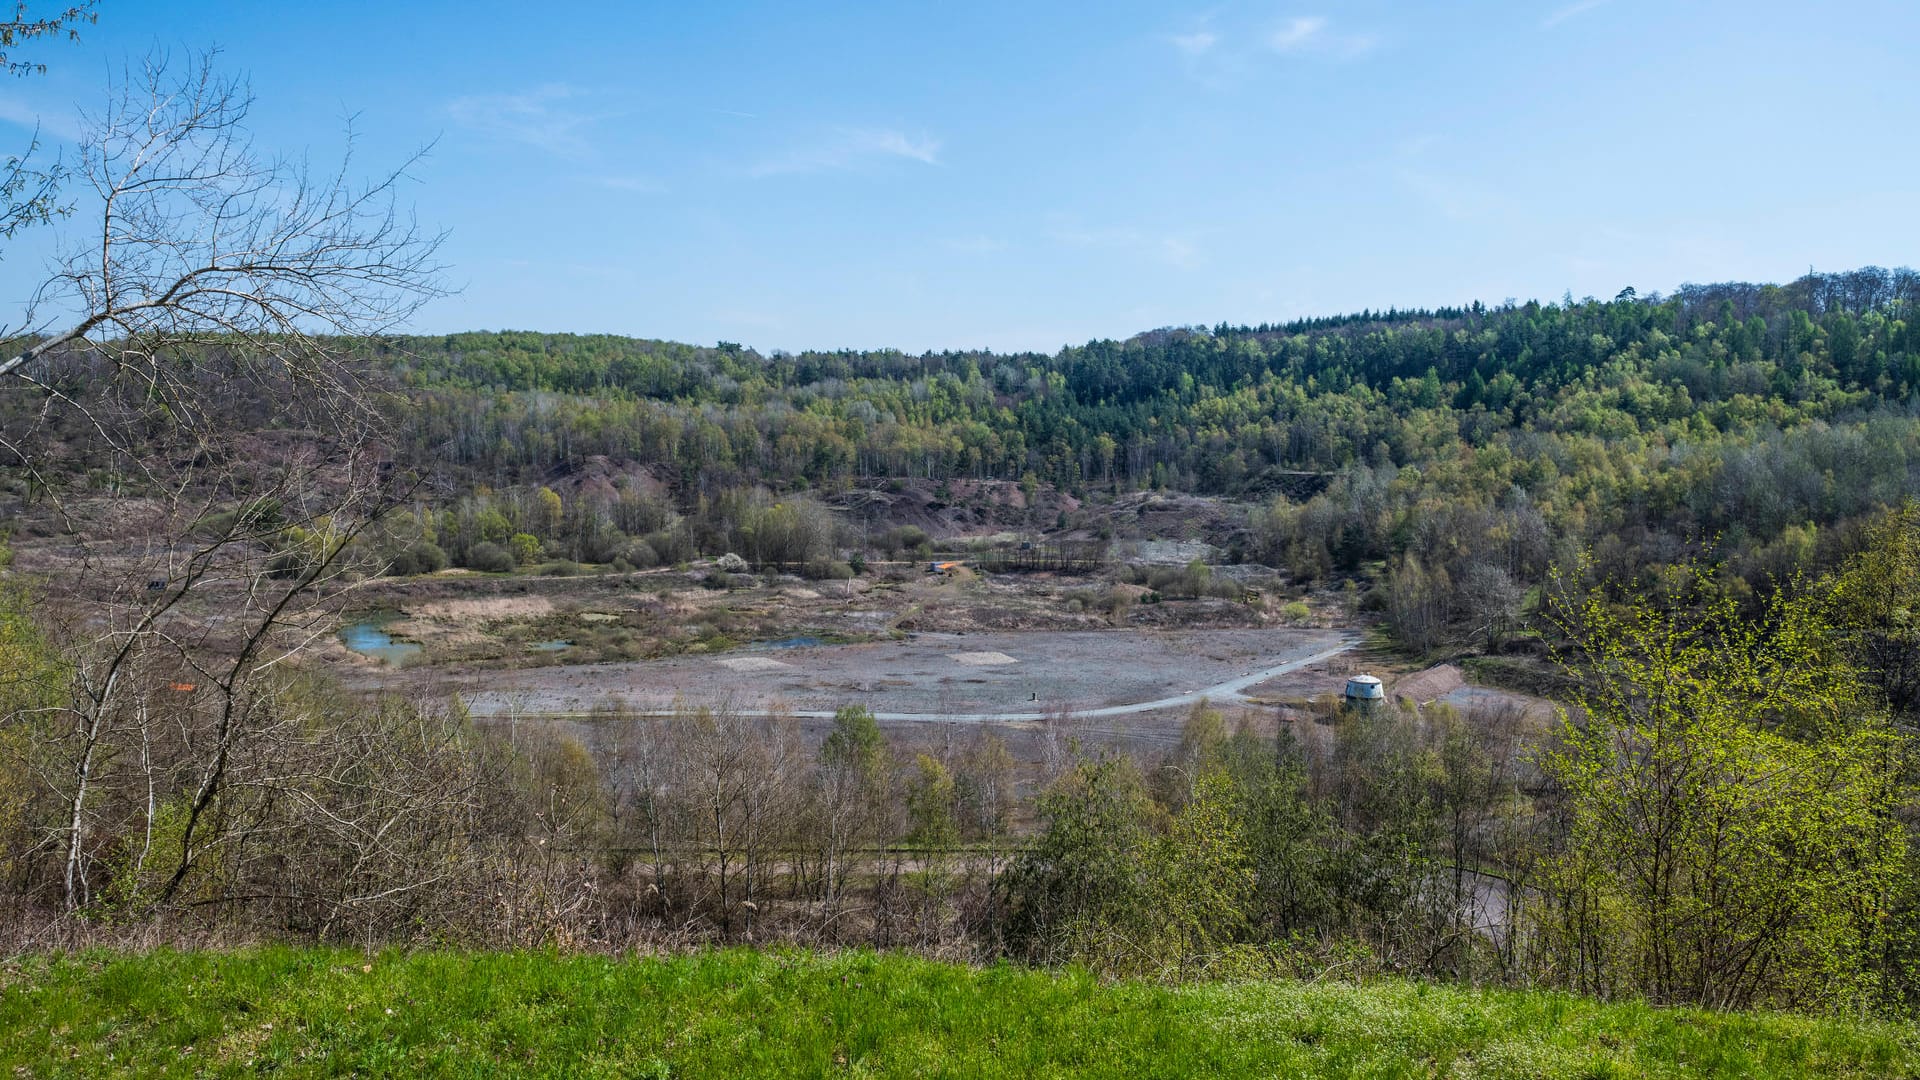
1208	410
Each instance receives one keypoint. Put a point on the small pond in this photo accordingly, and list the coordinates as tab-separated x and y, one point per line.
550	646
794	643
368	639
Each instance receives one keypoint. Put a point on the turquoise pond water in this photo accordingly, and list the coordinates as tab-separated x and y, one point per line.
367	639
550	646
794	643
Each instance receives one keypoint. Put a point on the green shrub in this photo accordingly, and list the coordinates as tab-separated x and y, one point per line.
671	547
524	547
640	555
489	558
428	558
903	538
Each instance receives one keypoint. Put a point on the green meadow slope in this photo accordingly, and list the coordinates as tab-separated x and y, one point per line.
307	1012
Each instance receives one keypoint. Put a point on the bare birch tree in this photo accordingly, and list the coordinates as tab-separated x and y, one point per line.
193	234
191	357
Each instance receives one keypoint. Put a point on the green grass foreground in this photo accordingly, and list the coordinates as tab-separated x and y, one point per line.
308	1012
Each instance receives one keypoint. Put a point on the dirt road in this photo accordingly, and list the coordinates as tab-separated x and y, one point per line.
1229	692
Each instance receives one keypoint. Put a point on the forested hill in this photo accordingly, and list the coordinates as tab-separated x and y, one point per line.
1204	409
1738	421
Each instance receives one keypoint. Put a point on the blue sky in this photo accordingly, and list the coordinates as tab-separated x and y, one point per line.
1025	175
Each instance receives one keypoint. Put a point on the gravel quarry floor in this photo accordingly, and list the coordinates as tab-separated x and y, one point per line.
1011	676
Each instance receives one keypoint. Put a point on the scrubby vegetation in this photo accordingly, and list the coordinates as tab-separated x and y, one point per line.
1723	819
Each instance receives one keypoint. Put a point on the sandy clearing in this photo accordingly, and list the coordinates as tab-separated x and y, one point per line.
752	663
444	634
1433	684
1486	697
982	659
482	607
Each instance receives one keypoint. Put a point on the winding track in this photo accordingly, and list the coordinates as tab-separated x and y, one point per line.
1232	691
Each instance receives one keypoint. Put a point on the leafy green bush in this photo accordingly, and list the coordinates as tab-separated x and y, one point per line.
828	570
903	538
427	557
671	547
489	558
640	555
524	547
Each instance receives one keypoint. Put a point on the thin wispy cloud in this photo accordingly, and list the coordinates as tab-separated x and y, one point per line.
1579	7
1456	198
1419	144
59	125
1299	32
922	149
638	185
1316	35
1431	174
1197	43
1175	249
758	320
1180	251
618	273
852	148
1225	56
540	118
978	244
